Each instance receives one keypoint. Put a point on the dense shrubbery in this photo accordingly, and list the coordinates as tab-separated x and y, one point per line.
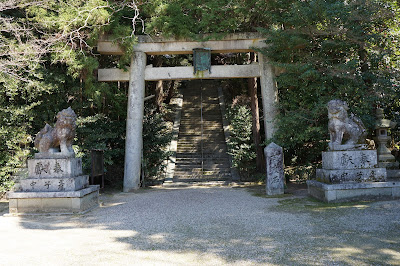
156	137
327	50
103	133
240	142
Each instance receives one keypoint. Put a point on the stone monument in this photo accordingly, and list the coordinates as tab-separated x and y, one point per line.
350	170
275	174
55	182
348	158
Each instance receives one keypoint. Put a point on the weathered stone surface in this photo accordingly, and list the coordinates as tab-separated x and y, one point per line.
351	175
344	128
349	159
54	168
393	174
58	140
134	123
382	126
275	174
63	194
353	191
54	184
26	203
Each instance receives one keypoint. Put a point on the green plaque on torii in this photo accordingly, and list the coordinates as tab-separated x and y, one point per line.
201	59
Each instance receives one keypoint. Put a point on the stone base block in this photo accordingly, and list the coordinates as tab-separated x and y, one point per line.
393	174
359	159
332	193
44	203
276	191
351	175
389	165
54	184
54	168
54	153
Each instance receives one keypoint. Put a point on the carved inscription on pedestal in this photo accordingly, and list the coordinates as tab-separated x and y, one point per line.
57	168
275	173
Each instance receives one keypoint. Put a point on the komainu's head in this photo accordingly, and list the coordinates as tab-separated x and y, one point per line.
337	106
66	118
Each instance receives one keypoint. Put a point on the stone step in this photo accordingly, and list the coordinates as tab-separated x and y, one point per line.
193	121
196	159
210	147
193	136
197	169
204	172
207	164
205	115
206	125
196	134
208	177
205	138
220	144
188	155
198	140
206	144
209	152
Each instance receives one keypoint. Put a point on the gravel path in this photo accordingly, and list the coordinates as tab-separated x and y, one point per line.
213	226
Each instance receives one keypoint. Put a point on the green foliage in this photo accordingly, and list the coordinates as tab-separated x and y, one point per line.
186	18
156	138
326	49
329	50
103	133
47	64
240	143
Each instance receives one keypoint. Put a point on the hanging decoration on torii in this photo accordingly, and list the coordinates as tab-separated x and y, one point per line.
201	60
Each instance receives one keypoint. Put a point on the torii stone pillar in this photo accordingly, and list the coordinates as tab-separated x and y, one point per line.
134	122
269	94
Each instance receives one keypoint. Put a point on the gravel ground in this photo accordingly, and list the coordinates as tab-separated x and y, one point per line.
207	225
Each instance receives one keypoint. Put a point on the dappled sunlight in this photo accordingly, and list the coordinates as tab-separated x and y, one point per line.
210	226
362	250
348	251
107	205
394	254
159	238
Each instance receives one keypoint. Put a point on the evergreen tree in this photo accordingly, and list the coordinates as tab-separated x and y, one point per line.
325	50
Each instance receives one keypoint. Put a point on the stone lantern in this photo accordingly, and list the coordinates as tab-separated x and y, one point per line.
385	158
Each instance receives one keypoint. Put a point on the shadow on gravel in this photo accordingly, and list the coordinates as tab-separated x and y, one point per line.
234	226
3	207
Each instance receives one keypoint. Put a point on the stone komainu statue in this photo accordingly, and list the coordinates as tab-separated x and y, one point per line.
341	127
52	140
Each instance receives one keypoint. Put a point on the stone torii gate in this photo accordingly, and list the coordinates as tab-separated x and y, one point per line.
140	72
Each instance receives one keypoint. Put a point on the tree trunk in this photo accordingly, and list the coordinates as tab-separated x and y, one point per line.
171	91
252	87
159	89
363	54
159	95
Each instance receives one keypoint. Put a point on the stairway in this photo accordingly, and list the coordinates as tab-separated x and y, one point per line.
201	157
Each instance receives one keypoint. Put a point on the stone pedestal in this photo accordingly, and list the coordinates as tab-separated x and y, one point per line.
333	193
350	176
350	166
54	168
54	186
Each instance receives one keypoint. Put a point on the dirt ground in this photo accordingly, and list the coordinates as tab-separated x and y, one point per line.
207	226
